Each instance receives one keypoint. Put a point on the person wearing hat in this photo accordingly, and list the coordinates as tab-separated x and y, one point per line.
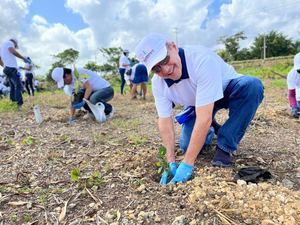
8	60
124	65
293	82
204	83
138	76
84	84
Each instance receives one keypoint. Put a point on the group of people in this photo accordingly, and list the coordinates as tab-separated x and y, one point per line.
133	75
193	77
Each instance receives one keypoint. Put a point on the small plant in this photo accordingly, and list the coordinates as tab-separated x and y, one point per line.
162	163
28	140
75	175
93	181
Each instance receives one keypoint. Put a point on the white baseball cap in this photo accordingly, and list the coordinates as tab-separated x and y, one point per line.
151	50
58	76
297	61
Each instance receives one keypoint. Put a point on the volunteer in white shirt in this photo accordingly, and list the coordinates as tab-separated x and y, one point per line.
138	75
124	64
93	88
293	82
197	77
28	77
8	60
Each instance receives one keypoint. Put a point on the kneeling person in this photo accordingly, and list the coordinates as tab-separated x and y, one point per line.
90	87
138	76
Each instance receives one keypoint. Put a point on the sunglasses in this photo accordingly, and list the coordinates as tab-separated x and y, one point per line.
157	67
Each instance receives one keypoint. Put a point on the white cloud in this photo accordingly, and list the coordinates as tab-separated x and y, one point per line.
12	15
124	22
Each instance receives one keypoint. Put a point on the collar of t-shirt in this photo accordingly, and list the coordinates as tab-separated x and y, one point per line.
184	75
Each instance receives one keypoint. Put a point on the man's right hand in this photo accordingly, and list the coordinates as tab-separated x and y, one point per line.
171	171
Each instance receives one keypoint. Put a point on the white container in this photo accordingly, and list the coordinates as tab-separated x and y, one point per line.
37	114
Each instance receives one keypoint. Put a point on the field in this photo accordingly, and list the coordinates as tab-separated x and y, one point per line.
91	173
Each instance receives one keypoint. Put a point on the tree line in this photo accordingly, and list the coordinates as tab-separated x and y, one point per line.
277	44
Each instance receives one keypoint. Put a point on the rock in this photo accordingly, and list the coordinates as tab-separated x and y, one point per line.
287	183
241	182
141	188
267	222
180	220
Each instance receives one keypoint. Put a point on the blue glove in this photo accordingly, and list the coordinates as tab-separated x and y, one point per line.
78	105
183	173
71	120
171	171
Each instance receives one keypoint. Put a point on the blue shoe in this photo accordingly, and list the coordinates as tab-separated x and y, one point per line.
222	159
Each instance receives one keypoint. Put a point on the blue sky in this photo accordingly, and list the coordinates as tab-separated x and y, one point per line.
46	27
54	11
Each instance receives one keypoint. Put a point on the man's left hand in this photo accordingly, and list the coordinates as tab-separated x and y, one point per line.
183	173
78	105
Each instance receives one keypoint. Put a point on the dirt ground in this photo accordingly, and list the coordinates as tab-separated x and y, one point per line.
117	180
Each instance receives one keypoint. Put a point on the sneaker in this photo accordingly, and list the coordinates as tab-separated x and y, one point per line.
111	114
222	158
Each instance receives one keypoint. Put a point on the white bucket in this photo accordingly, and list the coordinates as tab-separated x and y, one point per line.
37	114
98	110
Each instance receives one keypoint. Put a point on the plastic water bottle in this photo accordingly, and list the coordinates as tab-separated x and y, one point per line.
37	114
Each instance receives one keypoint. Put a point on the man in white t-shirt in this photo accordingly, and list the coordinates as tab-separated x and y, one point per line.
293	82
124	65
198	79
8	60
90	87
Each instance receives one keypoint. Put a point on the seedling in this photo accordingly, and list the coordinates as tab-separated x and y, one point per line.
93	181
162	163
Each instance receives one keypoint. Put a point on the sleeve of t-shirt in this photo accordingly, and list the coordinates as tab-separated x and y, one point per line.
162	104
291	81
208	80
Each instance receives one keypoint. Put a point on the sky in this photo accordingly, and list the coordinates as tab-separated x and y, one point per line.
44	28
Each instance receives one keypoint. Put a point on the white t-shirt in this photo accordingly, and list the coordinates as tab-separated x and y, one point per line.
124	60
36	83
94	79
7	57
27	66
208	74
293	79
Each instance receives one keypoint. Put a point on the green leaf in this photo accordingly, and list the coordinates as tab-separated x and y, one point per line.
158	164
75	174
162	151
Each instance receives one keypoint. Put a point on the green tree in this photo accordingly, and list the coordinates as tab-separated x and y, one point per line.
277	45
68	56
244	54
112	56
232	44
224	55
91	65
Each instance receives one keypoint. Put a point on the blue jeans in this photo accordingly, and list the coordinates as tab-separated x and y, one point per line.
103	95
242	97
122	74
15	85
29	83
